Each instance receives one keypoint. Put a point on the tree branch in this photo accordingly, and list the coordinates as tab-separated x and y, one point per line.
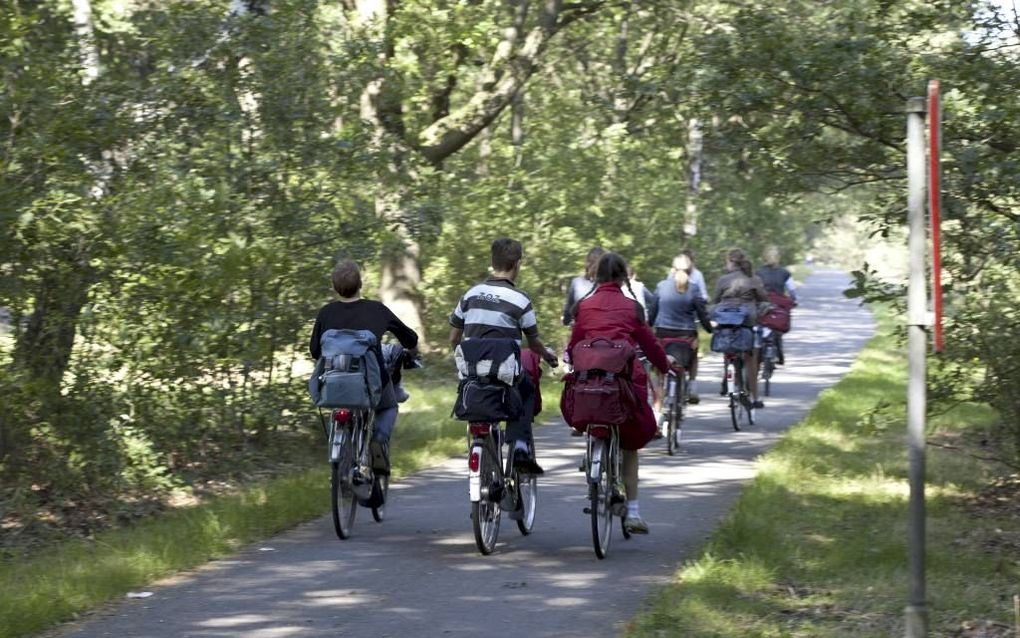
510	71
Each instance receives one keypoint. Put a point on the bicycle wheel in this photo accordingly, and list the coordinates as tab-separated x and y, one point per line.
527	498
600	493
768	366
380	489
736	412
682	392
344	502
674	415
485	513
739	402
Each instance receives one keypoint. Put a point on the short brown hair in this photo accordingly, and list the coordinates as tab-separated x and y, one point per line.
346	278
506	253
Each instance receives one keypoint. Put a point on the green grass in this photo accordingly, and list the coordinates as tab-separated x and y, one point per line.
816	545
65	579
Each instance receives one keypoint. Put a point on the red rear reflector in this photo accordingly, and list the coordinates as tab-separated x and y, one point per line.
479	429
343	415
599	431
473	461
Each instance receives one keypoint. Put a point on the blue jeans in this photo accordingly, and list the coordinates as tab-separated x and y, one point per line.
521	428
385	415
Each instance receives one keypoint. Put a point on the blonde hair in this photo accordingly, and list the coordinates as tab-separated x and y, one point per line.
772	256
681	272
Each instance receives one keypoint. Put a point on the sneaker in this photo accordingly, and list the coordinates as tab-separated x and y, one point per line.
380	457
525	464
757	404
635	525
693	398
576	432
658	433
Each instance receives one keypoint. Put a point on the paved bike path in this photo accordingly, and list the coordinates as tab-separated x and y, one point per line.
419	574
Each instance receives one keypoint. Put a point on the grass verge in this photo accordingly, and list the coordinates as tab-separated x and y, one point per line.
816	545
68	578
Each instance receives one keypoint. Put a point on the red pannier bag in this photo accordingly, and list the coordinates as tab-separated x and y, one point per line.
778	317
599	389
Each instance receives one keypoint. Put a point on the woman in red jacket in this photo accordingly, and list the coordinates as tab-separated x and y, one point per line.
607	312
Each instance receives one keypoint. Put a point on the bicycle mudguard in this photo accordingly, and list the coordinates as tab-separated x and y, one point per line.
474	474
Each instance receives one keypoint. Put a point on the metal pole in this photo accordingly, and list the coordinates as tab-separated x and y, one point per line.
917	609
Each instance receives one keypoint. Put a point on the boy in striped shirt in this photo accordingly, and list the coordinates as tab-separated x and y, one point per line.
497	309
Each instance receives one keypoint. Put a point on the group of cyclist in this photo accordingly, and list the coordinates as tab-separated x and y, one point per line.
606	301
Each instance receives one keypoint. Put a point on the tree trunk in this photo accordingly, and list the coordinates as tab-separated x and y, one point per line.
695	146
44	349
381	105
84	32
513	63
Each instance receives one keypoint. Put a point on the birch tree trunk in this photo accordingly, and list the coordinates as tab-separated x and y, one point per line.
695	147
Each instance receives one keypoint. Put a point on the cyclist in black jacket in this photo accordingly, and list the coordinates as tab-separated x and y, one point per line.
352	312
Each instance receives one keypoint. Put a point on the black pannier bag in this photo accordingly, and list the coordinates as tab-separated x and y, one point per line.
732	339
489	370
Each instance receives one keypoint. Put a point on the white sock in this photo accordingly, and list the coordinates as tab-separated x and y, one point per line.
520	445
632	509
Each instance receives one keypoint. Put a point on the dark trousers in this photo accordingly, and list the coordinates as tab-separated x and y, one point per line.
521	428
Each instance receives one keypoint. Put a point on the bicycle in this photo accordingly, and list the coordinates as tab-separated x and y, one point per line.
741	413
675	390
770	352
353	481
607	498
495	485
352	478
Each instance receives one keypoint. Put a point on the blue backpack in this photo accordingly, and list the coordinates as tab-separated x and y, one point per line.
347	374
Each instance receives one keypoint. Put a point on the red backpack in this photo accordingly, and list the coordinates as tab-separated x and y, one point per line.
599	390
778	317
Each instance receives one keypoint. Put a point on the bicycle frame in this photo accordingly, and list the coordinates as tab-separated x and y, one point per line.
494	486
360	422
